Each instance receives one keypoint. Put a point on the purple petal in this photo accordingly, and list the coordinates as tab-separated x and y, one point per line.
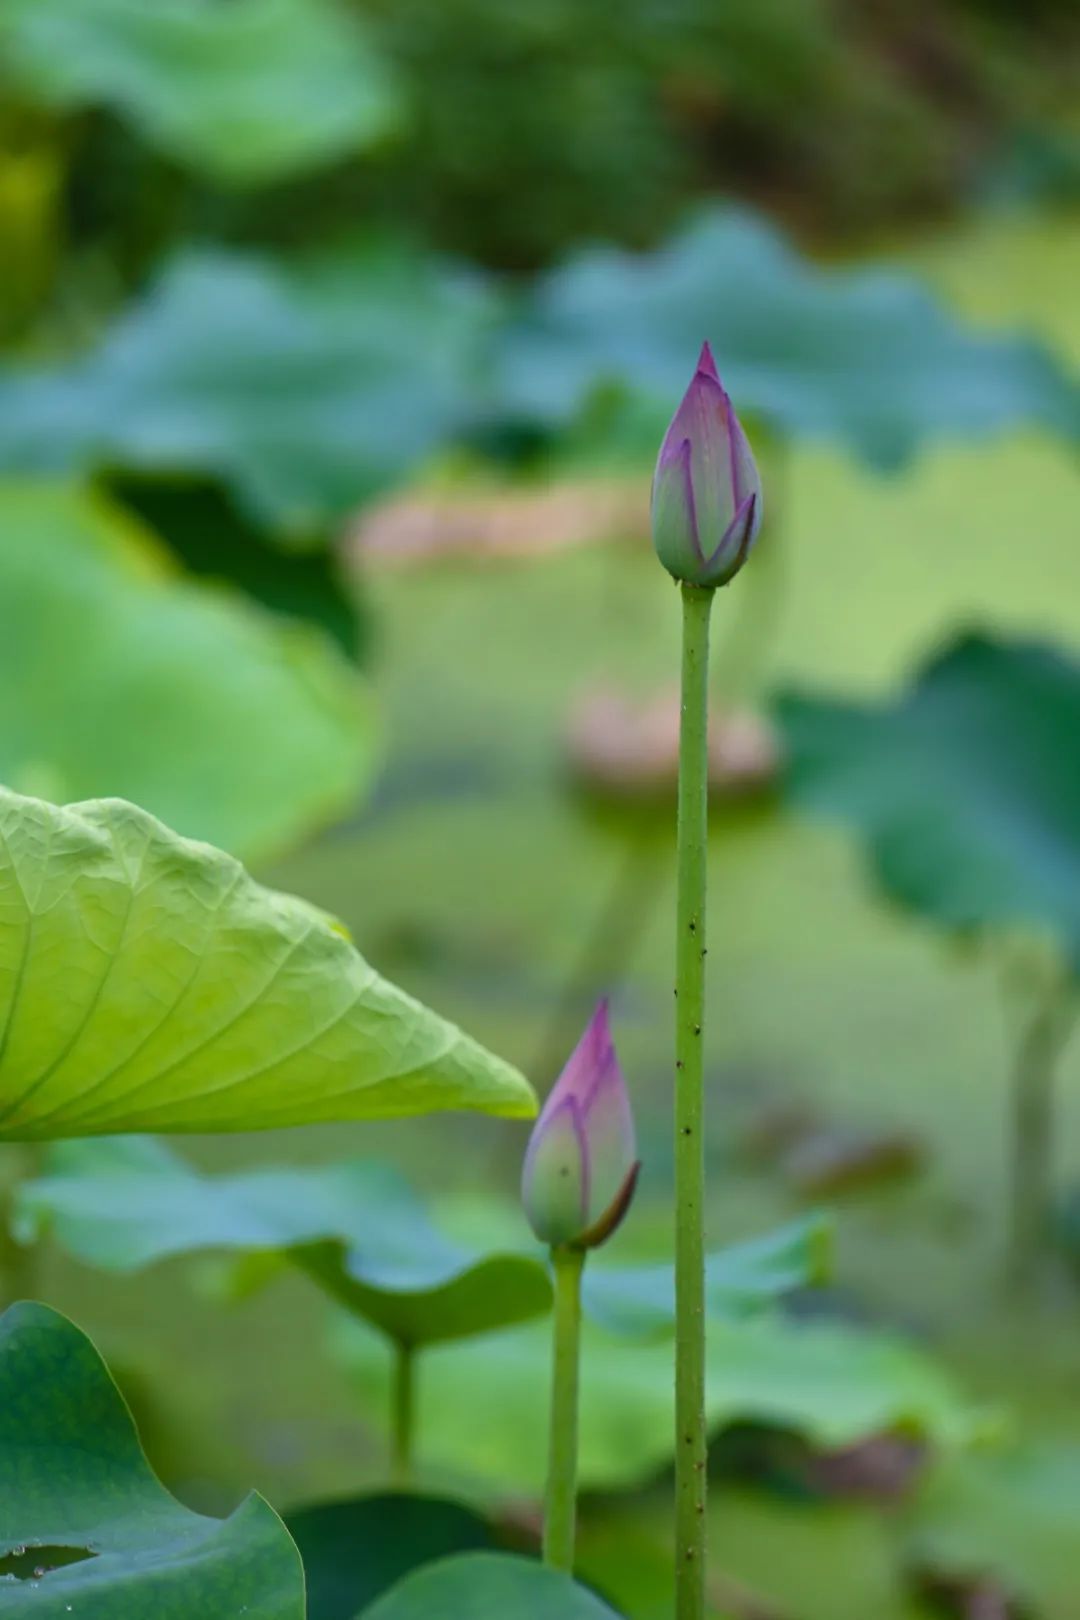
734	548
706	363
705	475
582	1146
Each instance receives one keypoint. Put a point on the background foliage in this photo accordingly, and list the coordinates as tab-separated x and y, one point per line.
329	326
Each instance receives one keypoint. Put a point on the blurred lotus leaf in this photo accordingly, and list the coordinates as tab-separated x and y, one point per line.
966	788
639	1301
362	1233
830	1383
864	356
147	981
245	93
86	1528
488	1586
1003	1520
353	1550
305	388
358	1228
120	676
311	386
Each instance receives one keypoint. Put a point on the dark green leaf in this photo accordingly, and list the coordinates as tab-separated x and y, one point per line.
966	789
354	1550
865	357
488	1586
198	520
305	390
639	1301
146	980
357	1228
120	676
76	1488
248	92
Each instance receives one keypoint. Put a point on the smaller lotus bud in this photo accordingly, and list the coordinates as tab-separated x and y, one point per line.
706	496
581	1165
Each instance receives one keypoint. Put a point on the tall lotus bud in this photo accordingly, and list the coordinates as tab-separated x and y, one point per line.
581	1165
706	496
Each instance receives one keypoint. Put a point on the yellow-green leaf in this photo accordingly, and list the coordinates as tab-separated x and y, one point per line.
147	982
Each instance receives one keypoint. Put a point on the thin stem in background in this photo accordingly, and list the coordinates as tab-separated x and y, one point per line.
560	1507
611	941
1034	1073
404	1415
690	1438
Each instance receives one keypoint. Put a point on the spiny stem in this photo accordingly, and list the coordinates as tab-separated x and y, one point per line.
560	1508
404	1411
690	1441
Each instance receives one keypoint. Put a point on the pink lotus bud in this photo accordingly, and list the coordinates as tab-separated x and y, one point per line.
581	1165
706	497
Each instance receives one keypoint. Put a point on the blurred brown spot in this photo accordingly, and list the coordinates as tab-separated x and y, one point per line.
882	1468
839	1160
501	523
777	1126
972	1598
632	748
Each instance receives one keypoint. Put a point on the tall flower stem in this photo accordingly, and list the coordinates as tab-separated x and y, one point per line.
560	1508
404	1413
690	1455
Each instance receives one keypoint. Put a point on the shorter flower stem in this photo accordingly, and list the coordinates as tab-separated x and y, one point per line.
560	1509
404	1411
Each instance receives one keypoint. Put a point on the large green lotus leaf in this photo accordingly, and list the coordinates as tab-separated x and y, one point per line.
865	357
248	92
482	1420
306	389
355	1549
79	1501
357	1227
488	1586
1007	1518
146	981
120	676
639	1301
966	788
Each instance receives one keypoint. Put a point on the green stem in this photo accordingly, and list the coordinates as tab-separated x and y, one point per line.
1033	1133
560	1508
404	1411
690	1454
